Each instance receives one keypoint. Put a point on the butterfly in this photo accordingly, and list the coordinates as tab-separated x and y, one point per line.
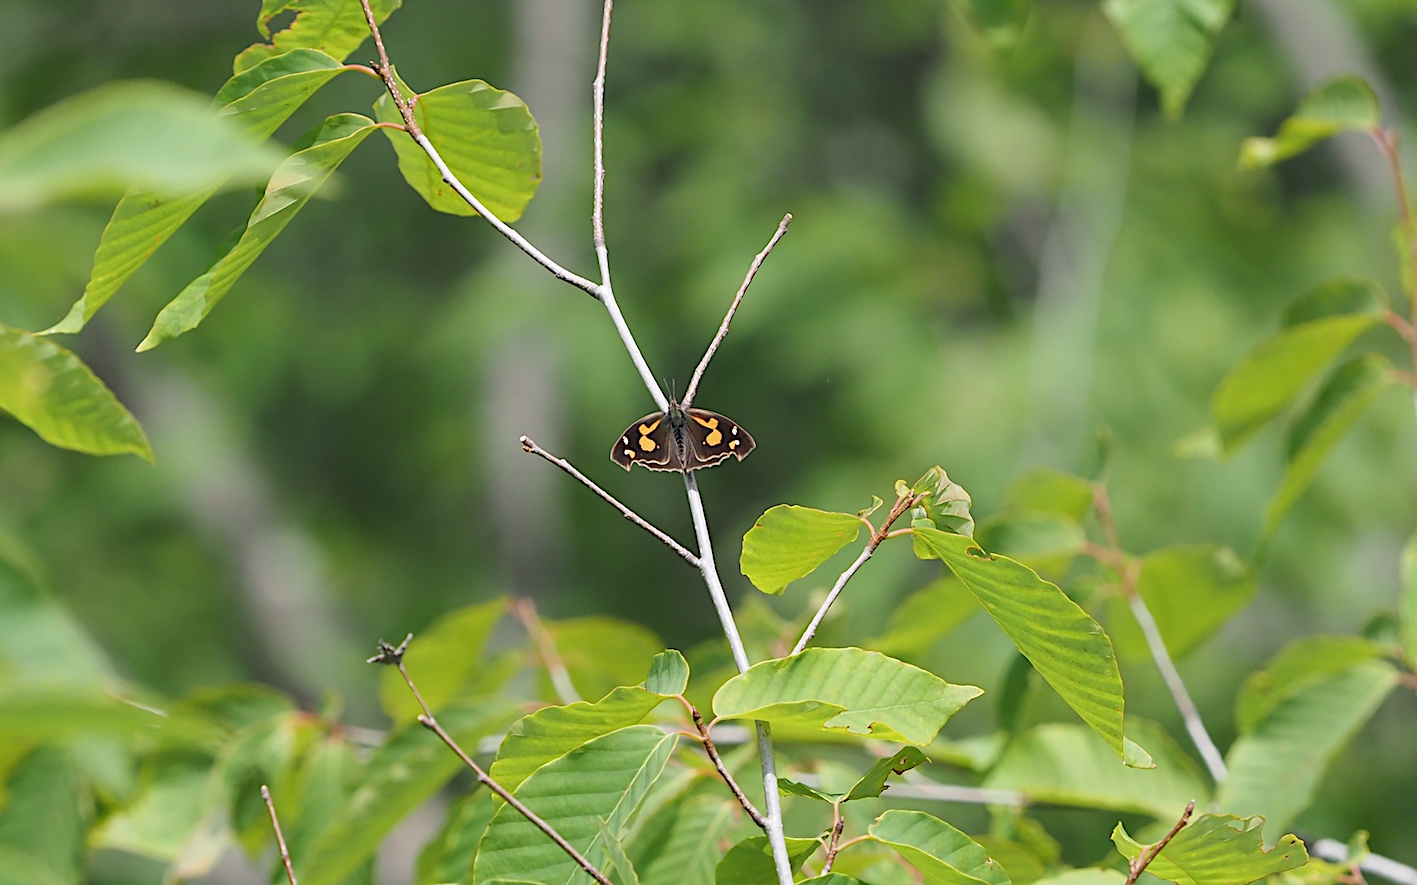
681	439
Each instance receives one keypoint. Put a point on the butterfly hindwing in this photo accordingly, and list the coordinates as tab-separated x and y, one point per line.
648	442
712	438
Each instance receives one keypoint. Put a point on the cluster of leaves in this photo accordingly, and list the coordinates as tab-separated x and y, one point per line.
177	781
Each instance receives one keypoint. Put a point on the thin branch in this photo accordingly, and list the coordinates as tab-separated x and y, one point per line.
388	654
733	308
405	109
597	215
834	843
902	504
529	445
773	802
717	761
1143	860
525	611
280	837
1388	143
1116	556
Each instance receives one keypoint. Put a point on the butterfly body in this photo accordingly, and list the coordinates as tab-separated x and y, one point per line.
681	440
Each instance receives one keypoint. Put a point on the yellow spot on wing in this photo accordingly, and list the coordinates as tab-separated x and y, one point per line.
715	437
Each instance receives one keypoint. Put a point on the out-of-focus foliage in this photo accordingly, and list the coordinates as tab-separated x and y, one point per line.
328	447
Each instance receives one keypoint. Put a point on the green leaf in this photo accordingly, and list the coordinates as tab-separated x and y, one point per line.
174	819
52	392
833	879
1217	849
1342	400
1000	20
318	154
925	617
693	847
873	782
1321	326
1275	769
486	136
410	767
448	856
1086	876
789	542
603	780
619	865
258	101
141	134
442	660
604	653
1066	646
1042	541
1045	490
750	861
1298	665
789	787
863	692
942	854
40	641
945	503
336	27
1171	41
1191	591
323	781
1407	600
43	818
1069	765
552	732
35	713
1343	104
668	674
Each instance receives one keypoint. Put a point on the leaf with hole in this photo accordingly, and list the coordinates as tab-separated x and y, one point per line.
1217	849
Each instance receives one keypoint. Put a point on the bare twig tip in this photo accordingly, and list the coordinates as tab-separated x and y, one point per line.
390	654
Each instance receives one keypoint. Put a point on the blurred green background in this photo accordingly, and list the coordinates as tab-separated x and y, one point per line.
996	252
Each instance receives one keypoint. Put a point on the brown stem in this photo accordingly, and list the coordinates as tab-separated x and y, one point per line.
386	73
1387	142
280	837
834	844
1144	859
388	654
732	309
717	761
529	445
525	611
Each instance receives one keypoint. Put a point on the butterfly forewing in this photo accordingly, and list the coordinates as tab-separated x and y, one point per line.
681	440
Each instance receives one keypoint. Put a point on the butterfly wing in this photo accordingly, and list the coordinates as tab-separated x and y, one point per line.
647	442
710	438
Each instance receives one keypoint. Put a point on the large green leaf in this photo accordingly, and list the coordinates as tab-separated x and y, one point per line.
862	692
336	27
694	844
1407	600
553	732
1069	765
942	854
317	156
486	136
750	861
1298	665
442	660
33	713
1217	849
410	767
43	818
141	134
1085	876
603	780
1342	400
1275	769
789	542
1066	646
1343	104
51	391
1171	41
1319	326
174	819
40	641
258	101
1191	591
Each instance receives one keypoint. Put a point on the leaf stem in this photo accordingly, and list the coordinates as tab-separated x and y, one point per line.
525	611
732	309
1143	860
712	751
834	844
1387	142
280	837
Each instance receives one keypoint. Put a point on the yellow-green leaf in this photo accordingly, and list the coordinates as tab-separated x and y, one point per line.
1217	849
789	542
1343	104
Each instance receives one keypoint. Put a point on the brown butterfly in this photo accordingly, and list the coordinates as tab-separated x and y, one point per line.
681	440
